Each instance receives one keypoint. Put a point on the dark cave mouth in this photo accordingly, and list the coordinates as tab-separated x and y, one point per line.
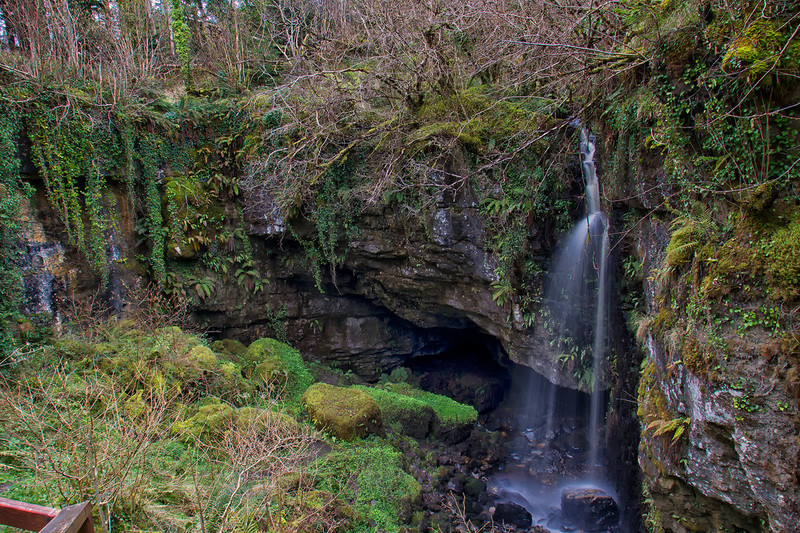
470	367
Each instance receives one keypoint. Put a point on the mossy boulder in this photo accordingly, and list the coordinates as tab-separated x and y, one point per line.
173	337
135	407
230	347
344	413
253	419
383	493
203	359
298	378
410	416
452	422
230	384
185	367
271	373
215	418
211	420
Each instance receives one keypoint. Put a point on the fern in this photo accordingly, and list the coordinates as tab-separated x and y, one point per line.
676	426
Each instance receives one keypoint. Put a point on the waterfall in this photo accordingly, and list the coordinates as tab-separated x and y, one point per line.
553	455
599	341
578	284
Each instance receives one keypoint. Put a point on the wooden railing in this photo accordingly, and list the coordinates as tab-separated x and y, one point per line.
73	519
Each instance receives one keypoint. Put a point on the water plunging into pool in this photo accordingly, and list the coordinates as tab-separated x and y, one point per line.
567	446
577	294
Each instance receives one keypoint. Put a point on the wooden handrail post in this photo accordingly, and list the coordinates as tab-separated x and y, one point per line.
73	519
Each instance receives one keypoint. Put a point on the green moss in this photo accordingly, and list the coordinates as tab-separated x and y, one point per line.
204	359
214	418
400	375
452	421
763	254
411	416
346	414
210	421
372	476
229	384
757	50
260	420
647	383
298	378
271	372
662	322
783	258
230	347
445	408
475	118
135	406
695	357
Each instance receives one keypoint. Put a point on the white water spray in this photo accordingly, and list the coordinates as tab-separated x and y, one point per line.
599	341
578	282
576	299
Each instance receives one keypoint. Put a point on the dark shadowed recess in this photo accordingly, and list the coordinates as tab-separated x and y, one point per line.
472	368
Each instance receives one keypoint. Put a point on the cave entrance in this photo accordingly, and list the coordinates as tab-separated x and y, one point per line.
469	367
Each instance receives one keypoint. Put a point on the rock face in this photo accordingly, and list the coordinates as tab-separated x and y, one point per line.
589	509
720	415
407	287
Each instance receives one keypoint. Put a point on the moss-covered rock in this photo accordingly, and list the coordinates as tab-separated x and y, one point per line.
373	475
783	259
452	421
756	50
230	347
344	413
268	351
410	416
214	418
211	420
253	419
135	407
203	359
229	383
271	373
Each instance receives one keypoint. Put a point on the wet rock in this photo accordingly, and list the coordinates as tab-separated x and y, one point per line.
512	514
589	509
474	488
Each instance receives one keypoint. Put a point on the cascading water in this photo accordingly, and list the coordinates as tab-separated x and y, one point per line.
599	341
577	286
576	295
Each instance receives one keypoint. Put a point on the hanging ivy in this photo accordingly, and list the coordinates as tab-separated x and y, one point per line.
147	154
69	151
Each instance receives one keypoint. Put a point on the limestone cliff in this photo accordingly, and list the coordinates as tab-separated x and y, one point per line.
407	286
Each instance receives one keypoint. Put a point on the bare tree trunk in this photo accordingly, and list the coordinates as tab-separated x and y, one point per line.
165	5
70	37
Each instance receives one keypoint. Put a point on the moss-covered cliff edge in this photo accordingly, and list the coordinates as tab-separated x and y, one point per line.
707	156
